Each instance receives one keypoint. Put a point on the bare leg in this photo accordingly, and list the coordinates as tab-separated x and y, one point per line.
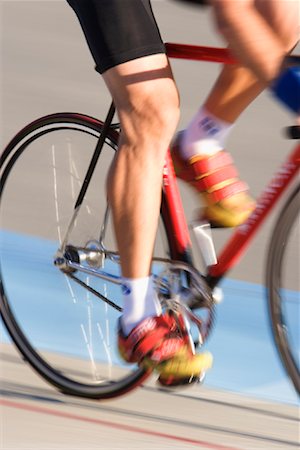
147	102
236	86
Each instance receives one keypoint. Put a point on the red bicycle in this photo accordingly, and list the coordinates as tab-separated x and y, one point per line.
60	275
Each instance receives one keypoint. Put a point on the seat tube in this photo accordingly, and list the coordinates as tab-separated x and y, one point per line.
173	214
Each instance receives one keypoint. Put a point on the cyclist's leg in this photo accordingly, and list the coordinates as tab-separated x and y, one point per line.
126	45
136	70
128	51
147	102
235	88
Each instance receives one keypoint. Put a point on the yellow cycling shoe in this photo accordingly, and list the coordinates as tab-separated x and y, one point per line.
226	198
184	369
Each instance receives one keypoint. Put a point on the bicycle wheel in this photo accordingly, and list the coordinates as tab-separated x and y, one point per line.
283	286
63	330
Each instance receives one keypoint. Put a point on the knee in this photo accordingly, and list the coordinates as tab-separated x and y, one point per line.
152	115
164	111
283	18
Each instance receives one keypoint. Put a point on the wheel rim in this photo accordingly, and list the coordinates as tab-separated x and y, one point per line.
284	288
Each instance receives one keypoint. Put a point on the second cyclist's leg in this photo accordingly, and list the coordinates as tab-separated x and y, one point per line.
203	143
234	90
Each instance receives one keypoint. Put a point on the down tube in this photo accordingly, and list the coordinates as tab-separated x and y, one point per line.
173	215
242	237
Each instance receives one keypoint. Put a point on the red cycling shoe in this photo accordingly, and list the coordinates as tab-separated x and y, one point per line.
162	344
226	198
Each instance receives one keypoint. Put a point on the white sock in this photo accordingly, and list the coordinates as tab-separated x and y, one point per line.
205	135
140	301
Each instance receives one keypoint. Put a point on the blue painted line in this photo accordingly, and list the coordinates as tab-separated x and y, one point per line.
246	360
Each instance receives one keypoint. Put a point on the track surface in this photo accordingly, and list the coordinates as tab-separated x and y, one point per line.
34	416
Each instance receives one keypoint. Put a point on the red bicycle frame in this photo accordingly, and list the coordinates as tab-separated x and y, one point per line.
243	235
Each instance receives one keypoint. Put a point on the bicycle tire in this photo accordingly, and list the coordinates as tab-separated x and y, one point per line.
280	297
11	162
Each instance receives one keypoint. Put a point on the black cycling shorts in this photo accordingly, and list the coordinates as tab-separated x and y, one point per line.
118	31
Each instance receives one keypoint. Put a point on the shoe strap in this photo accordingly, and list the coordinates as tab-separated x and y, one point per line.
215	176
198	164
226	191
210	182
